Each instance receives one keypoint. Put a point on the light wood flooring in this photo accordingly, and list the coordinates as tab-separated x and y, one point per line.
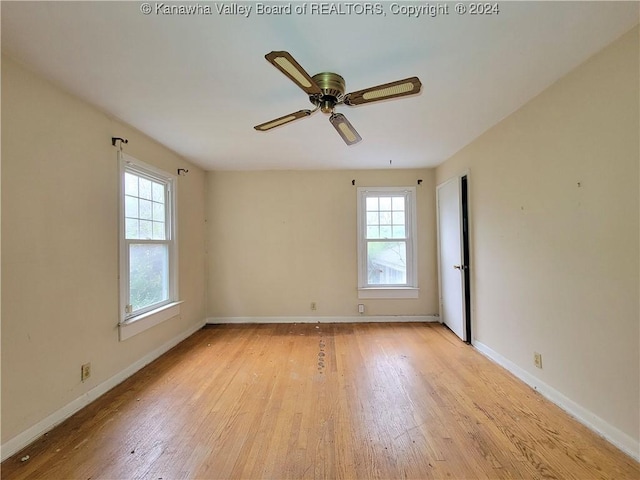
333	401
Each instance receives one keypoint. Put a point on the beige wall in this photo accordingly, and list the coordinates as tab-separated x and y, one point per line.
555	263
279	240
60	248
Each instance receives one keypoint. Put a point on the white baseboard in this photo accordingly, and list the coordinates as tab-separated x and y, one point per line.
23	439
615	436
311	319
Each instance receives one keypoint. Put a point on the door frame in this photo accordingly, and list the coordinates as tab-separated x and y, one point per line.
466	241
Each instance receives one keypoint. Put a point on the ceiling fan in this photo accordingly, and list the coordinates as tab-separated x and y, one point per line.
326	91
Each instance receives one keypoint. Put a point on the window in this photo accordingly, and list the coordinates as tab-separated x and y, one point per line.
387	242
147	244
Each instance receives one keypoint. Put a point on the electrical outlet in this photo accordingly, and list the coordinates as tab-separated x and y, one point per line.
85	371
313	306
537	359
361	308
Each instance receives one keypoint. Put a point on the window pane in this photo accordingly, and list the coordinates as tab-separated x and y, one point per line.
158	231
373	232
387	263
146	229
398	218
372	204
145	188
158	192
372	218
130	207
398	232
385	231
397	203
148	275
131	226
145	210
158	212
130	184
385	203
385	218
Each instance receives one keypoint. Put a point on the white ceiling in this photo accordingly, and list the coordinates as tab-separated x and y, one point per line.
198	84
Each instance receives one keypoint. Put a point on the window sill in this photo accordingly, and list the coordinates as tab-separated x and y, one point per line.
387	292
139	324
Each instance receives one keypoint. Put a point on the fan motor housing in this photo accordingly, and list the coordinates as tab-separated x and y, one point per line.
332	86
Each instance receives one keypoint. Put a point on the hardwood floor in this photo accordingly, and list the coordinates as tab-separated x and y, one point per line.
352	401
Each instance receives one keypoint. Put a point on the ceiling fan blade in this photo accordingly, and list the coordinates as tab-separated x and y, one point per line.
345	129
284	62
282	120
400	88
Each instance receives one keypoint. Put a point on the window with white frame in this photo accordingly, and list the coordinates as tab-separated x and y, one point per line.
148	246
387	242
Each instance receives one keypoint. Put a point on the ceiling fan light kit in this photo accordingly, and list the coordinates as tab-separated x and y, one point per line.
345	129
326	91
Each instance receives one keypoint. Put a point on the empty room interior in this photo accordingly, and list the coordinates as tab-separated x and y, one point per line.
430	269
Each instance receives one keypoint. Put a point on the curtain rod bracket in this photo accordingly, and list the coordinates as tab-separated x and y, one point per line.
122	140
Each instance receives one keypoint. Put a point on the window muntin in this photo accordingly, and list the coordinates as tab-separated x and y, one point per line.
148	244
386	244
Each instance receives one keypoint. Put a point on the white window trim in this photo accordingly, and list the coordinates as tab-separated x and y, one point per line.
145	321
130	325
411	290
388	292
